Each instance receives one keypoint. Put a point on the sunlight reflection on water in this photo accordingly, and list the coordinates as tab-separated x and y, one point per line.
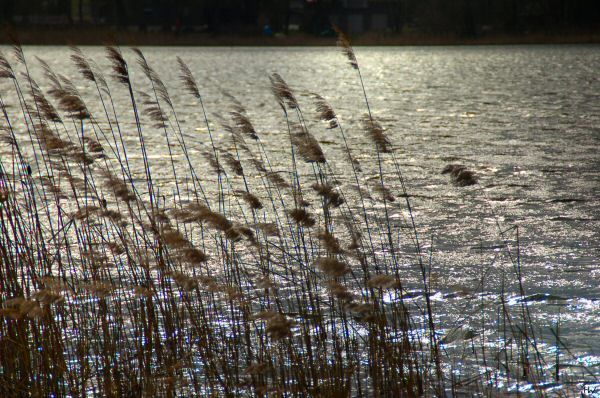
524	118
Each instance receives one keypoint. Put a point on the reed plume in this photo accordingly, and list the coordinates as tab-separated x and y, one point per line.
282	92
307	145
328	192
157	83
375	131
233	163
252	200
47	110
302	217
344	44
82	64
6	71
460	175
330	242
243	123
332	267
119	65
325	111
187	78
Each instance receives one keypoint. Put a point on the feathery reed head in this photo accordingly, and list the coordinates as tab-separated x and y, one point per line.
46	109
65	92
269	229
194	255
453	169
119	65
339	291
302	217
278	326
50	75
257	368
325	111
233	163
212	218
465	178
344	44
174	238
460	175
184	281
4	192
283	93
330	242
157	83
153	110
276	179
6	70
16	46
82	64
252	200
243	123
328	192
308	147
375	131
383	282
213	161
118	187
187	78
332	266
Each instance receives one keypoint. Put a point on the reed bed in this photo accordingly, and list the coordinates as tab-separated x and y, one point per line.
229	277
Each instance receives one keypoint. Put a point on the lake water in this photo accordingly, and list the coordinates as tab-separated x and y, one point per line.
526	119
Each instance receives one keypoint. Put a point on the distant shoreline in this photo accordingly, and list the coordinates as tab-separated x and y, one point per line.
102	36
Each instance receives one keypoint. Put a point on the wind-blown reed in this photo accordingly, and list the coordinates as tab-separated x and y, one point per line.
247	281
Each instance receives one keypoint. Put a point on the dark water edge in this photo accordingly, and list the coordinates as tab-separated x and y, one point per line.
100	36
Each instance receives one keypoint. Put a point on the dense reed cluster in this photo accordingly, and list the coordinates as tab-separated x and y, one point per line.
229	277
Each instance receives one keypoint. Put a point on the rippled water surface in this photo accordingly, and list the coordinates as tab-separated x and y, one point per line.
526	119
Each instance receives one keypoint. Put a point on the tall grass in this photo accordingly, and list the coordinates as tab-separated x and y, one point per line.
227	277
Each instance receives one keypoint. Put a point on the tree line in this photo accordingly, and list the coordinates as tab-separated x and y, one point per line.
463	17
